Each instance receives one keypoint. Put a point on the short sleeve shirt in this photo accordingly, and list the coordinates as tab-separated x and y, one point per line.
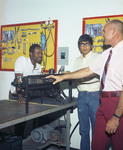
24	66
114	77
90	85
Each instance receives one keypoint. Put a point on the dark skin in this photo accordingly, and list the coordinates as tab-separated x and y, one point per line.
36	57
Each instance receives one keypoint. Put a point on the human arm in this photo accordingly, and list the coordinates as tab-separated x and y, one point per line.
20	99
66	72
72	75
19	69
113	124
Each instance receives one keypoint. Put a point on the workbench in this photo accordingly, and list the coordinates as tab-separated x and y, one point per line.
12	113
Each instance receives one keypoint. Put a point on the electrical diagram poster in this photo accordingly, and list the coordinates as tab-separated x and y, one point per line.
94	27
17	38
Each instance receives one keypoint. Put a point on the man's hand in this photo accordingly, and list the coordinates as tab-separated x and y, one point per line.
112	125
21	100
57	78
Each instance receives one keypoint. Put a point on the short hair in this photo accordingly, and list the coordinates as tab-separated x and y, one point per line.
118	24
33	46
84	38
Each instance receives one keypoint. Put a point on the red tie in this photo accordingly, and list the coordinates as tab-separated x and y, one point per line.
105	71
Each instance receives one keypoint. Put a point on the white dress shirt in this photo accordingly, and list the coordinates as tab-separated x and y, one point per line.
114	77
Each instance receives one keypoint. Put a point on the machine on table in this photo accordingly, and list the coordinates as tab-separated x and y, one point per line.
40	82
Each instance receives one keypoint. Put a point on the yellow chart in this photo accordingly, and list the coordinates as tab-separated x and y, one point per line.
17	38
94	27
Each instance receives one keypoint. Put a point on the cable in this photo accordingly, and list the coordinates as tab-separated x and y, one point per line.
74	129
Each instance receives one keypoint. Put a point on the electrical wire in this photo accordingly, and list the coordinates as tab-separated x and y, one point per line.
74	129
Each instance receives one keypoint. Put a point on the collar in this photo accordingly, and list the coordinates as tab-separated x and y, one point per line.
117	47
88	55
37	66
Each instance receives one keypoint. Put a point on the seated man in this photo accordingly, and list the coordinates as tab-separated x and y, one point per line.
27	66
24	67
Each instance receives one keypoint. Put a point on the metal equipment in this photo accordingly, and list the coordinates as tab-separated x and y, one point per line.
42	134
39	82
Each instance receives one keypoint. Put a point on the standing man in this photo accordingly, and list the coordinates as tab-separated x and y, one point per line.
109	120
88	97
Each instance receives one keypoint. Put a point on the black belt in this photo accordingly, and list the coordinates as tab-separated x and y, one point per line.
110	94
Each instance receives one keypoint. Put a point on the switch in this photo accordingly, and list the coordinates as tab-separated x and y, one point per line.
63	56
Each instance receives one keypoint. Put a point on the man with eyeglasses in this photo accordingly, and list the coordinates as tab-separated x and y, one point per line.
88	90
88	96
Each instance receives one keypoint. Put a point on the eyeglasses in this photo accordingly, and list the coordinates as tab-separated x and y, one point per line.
84	44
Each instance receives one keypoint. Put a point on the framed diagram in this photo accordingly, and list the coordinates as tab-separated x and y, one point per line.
17	38
94	27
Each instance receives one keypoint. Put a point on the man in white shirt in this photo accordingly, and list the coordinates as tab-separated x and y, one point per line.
27	66
88	97
24	67
109	120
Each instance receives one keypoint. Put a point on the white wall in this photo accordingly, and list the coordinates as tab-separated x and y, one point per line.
69	14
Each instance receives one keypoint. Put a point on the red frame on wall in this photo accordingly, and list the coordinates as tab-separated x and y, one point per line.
94	27
97	18
4	27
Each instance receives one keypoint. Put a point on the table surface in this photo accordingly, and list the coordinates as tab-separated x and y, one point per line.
12	113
